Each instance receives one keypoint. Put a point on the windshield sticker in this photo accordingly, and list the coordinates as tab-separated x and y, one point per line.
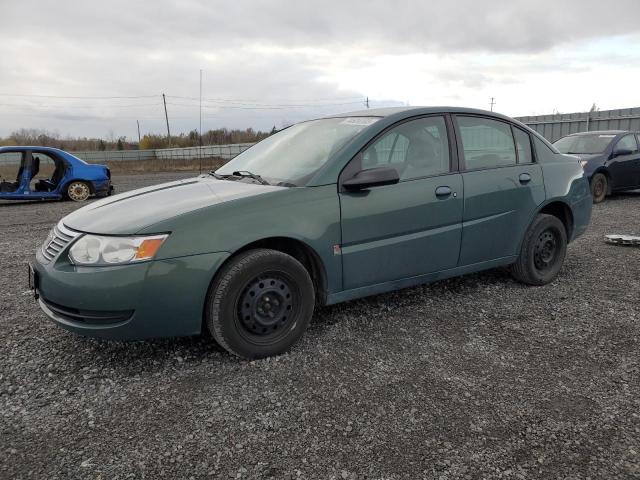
359	121
606	136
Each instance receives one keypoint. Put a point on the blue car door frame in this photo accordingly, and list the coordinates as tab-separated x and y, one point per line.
24	188
403	230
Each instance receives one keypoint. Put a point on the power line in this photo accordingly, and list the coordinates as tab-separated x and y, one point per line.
301	103
22	105
266	107
73	97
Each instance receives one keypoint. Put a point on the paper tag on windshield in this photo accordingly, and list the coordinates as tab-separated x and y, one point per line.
359	121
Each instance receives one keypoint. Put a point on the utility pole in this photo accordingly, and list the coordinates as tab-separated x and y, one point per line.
493	102
366	102
139	139
164	100
200	132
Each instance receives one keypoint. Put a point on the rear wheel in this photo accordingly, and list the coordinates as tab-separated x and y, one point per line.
78	191
543	251
599	187
260	303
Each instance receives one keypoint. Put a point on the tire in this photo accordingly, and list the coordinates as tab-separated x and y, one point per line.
78	191
260	304
543	251
599	187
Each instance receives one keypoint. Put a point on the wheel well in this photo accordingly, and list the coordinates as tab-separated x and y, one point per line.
563	213
301	252
298	250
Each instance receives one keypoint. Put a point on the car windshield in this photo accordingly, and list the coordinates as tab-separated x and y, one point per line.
584	144
291	156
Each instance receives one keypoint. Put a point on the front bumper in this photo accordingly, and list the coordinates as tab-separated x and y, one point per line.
160	298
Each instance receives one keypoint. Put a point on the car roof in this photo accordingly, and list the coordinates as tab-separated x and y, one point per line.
600	132
407	111
23	148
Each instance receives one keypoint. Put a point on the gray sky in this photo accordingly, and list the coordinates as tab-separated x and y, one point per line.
275	62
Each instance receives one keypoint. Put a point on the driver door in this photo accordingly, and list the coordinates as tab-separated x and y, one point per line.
411	228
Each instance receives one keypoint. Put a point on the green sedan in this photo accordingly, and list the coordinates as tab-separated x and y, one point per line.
322	212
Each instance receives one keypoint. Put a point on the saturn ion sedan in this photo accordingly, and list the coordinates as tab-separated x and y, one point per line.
321	212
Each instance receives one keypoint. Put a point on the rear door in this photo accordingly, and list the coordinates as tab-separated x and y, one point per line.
624	168
411	228
502	187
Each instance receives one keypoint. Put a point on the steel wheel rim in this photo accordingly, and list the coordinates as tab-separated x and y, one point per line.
545	250
598	188
78	191
267	307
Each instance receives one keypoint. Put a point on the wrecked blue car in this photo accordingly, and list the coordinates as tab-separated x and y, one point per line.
45	173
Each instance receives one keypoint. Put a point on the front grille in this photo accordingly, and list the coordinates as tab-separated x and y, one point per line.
58	238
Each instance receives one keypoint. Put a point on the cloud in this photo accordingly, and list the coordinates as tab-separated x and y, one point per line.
328	55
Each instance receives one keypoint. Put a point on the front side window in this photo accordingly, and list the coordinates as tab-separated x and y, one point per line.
417	148
486	143
628	142
293	155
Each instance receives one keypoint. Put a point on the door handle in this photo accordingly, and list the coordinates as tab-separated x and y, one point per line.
443	192
525	178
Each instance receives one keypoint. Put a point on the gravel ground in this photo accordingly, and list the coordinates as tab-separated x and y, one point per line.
475	377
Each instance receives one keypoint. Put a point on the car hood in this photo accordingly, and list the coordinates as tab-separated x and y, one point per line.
130	212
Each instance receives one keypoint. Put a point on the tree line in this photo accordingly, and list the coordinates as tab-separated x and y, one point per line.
220	136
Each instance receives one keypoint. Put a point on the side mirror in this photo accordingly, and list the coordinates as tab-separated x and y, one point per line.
372	177
622	151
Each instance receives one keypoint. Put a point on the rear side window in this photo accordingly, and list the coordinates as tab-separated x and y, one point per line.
628	142
417	148
486	143
523	144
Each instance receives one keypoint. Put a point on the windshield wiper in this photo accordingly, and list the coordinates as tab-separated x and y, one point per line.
218	176
246	174
239	174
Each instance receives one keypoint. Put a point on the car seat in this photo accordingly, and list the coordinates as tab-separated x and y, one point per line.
48	185
422	158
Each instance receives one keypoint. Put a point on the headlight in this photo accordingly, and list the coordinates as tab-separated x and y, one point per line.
101	250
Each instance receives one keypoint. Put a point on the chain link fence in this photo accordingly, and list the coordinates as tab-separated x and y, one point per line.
225	152
167	159
554	127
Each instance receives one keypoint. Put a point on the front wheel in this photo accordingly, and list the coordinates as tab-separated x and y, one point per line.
543	250
260	303
599	187
78	191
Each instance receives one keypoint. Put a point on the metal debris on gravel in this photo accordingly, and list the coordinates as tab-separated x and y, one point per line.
622	239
